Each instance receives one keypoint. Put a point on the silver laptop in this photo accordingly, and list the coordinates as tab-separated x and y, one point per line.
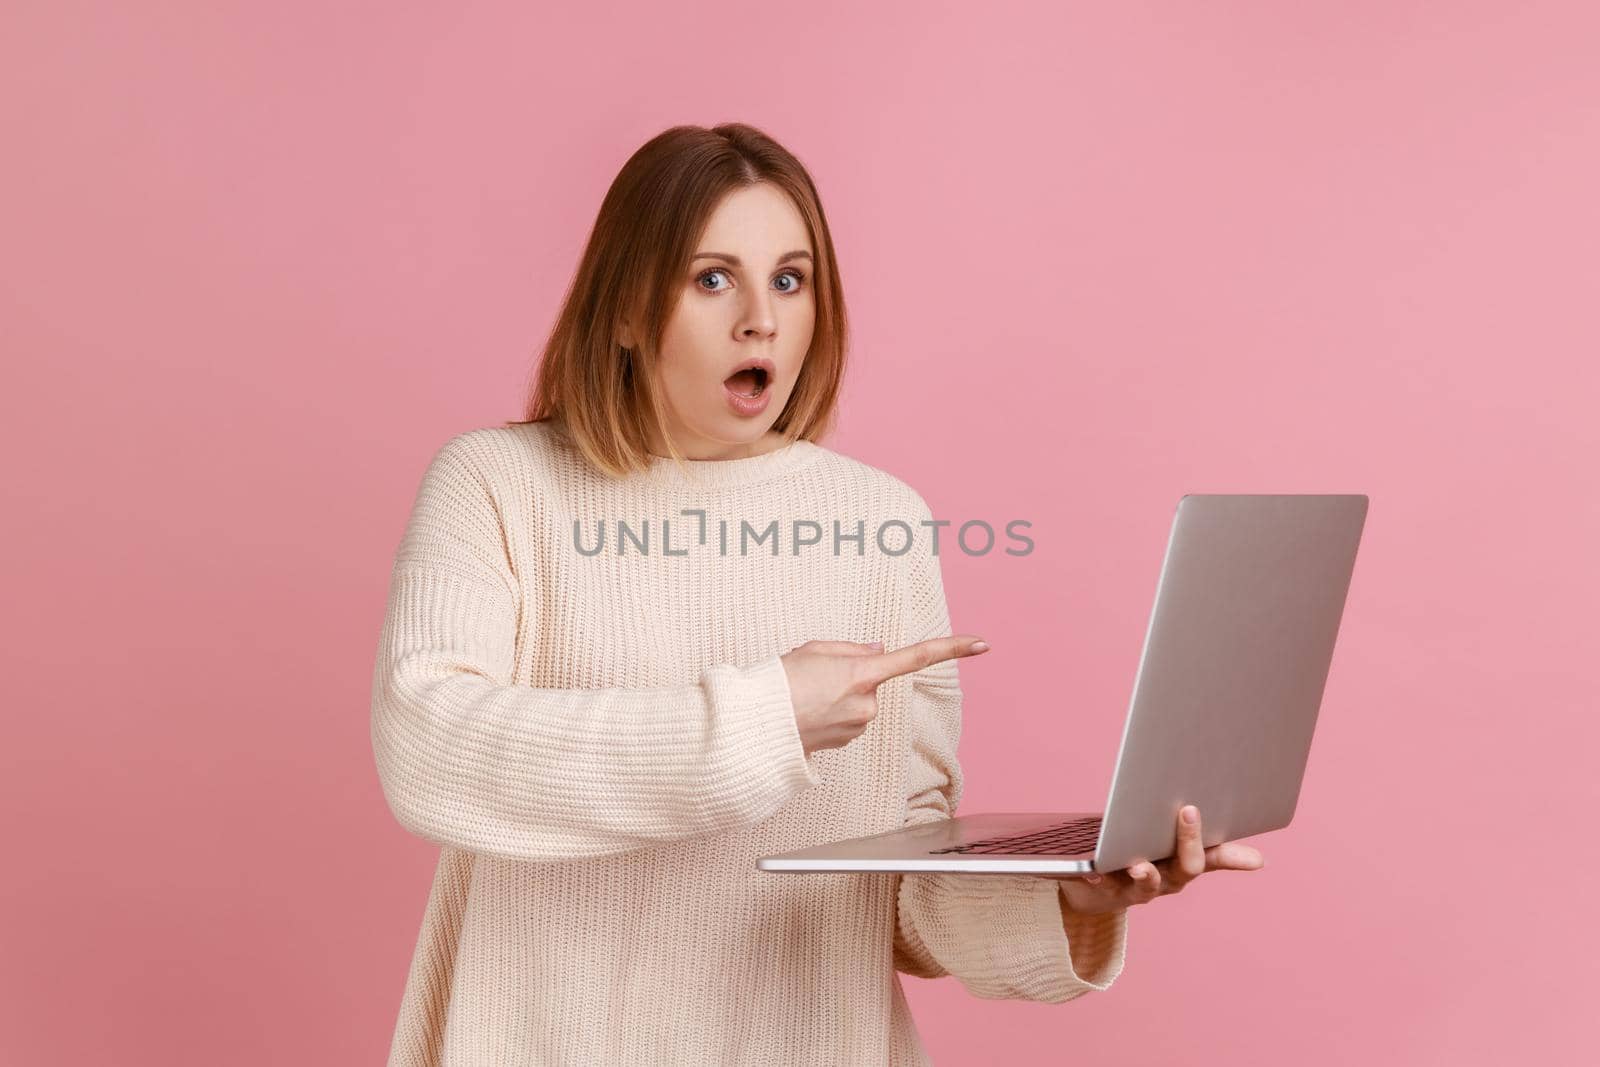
1225	699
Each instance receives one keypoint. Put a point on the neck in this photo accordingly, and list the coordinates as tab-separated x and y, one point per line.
707	449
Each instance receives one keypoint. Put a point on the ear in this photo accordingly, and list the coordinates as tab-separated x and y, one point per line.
628	320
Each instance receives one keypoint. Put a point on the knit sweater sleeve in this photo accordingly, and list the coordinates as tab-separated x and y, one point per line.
1009	937
466	757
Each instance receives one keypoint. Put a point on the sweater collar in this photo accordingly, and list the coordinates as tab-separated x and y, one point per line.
665	471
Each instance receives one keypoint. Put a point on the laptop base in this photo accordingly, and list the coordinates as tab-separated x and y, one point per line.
916	849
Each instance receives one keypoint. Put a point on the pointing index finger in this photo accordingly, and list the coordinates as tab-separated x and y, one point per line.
885	665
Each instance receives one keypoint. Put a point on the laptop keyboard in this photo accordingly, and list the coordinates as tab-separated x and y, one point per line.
1068	838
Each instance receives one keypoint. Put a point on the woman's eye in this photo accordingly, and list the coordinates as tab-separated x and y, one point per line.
710	274
799	280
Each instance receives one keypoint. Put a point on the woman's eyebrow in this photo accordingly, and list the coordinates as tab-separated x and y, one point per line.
786	257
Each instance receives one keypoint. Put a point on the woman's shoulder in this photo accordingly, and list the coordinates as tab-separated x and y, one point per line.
873	484
504	451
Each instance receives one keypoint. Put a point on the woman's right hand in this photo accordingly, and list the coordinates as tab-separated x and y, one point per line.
834	684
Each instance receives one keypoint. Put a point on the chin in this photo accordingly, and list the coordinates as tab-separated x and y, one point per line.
729	428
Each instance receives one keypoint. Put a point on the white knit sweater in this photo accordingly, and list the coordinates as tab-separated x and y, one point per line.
603	745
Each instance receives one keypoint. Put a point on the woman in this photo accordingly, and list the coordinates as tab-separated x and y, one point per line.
654	632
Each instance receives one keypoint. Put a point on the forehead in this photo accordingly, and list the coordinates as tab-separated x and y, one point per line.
756	222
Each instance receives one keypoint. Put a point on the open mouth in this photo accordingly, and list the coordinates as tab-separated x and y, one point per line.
748	382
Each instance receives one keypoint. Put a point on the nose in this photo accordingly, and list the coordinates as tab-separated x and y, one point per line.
756	318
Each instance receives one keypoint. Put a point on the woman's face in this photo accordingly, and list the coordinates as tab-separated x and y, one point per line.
746	299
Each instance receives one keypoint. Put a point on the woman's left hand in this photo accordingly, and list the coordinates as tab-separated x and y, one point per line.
1144	881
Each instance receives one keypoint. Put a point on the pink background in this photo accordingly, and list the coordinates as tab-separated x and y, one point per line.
259	263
